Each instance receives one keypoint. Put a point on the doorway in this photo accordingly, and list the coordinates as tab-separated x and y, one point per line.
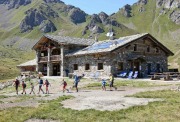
56	70
135	66
149	68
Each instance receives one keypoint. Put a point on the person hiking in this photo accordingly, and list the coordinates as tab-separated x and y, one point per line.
76	80
64	83
103	81
24	87
32	88
111	79
40	82
46	83
16	84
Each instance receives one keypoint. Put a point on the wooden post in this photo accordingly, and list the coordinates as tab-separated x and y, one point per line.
62	60
37	60
49	61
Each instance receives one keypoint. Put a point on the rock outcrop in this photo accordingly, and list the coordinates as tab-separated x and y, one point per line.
175	16
35	18
47	26
15	3
170	4
103	16
53	1
142	2
76	15
126	11
32	19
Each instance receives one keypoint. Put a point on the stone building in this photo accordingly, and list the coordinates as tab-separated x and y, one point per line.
58	56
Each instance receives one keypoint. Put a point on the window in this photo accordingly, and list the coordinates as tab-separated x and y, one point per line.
100	66
75	66
87	67
157	50
148	48
135	47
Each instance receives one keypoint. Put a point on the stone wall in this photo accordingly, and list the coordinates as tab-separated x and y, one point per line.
127	55
93	63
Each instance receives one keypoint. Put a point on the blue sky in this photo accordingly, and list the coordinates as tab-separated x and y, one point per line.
96	6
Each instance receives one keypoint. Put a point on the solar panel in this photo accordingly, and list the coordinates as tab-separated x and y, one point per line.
99	46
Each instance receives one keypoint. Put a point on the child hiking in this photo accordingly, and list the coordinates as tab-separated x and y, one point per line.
16	84
76	80
46	83
111	78
24	87
103	84
32	88
40	82
64	83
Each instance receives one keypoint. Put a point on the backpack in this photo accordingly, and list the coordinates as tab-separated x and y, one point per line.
65	83
24	85
41	81
17	82
47	82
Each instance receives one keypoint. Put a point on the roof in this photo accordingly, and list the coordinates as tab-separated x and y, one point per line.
68	40
111	45
29	63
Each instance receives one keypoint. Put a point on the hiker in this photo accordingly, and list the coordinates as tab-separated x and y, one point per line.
64	83
40	82
46	83
111	78
16	84
103	84
76	80
32	88
24	87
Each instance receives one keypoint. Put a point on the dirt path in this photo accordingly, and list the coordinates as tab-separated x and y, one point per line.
84	99
109	100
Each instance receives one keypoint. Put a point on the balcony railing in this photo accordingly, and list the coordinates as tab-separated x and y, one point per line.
55	58
52	58
43	59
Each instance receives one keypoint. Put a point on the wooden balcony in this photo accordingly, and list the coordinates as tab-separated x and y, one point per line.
43	59
55	58
52	58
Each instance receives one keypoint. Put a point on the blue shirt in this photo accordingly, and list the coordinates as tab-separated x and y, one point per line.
103	82
76	79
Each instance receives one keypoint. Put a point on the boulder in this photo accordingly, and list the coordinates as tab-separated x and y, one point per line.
175	16
77	16
47	26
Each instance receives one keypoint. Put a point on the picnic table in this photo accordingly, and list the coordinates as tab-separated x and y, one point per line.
166	75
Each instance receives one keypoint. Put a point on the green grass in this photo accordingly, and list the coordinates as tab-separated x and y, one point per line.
167	110
3	96
129	83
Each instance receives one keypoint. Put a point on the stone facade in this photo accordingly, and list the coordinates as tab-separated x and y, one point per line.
141	54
